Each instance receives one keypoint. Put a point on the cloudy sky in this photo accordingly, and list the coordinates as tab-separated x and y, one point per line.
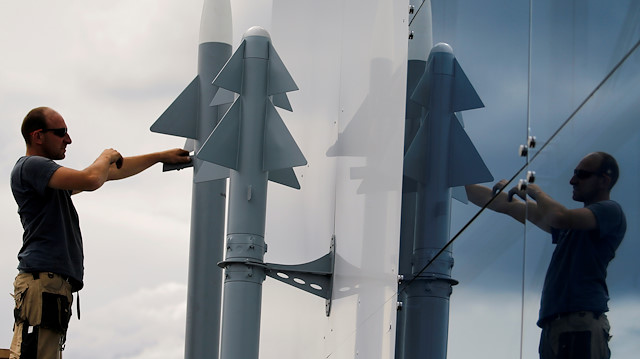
111	68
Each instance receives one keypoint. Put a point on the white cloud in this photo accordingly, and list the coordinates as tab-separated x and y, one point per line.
147	323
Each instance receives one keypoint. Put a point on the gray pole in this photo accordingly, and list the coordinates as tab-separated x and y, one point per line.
192	116
441	156
251	140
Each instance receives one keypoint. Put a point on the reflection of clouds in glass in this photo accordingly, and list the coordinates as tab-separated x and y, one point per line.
624	317
486	325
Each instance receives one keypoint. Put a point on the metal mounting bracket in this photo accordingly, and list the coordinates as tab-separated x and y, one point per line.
315	277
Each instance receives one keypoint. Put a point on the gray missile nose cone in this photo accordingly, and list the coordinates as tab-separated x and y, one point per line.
442	47
256	31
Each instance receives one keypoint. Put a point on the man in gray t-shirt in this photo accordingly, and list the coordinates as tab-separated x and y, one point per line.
574	295
51	258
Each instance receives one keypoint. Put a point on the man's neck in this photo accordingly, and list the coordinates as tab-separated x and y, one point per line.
600	198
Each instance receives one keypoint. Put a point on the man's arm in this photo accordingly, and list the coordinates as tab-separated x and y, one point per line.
88	179
549	213
505	203
133	165
481	195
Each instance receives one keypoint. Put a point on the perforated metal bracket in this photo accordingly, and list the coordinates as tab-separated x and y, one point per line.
315	277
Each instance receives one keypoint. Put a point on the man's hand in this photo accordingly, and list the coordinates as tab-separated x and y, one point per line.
113	156
500	185
175	156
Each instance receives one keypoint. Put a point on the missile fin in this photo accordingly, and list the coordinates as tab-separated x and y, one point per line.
416	156
281	100
181	117
285	177
230	77
223	143
465	96
222	97
422	92
208	171
465	164
280	81
460	194
280	149
189	145
415	69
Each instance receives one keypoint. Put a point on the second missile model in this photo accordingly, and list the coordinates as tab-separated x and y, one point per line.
441	156
194	116
255	144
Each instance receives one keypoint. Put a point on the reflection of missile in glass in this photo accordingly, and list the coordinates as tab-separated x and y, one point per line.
192	115
440	157
253	141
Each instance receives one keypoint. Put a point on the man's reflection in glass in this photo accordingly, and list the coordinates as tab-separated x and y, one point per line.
574	295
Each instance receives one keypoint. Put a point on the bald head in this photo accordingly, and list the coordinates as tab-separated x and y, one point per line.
36	119
608	166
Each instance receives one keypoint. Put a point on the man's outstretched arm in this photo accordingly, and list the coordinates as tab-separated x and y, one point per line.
481	195
548	213
88	179
133	165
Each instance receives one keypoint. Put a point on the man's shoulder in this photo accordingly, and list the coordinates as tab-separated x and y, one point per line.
606	205
609	215
33	171
35	163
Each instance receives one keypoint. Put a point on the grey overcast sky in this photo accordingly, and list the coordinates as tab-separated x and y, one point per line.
110	68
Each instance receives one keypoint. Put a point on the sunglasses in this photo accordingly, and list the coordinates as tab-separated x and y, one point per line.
584	174
60	132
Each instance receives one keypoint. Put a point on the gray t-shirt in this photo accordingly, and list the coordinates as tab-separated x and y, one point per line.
576	278
52	241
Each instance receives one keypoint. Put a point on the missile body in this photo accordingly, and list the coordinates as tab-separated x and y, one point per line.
253	141
191	116
441	156
420	43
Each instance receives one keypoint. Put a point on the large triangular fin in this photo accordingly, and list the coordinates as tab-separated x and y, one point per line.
280	149
222	97
464	96
230	77
465	164
416	157
223	143
181	117
285	177
280	80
